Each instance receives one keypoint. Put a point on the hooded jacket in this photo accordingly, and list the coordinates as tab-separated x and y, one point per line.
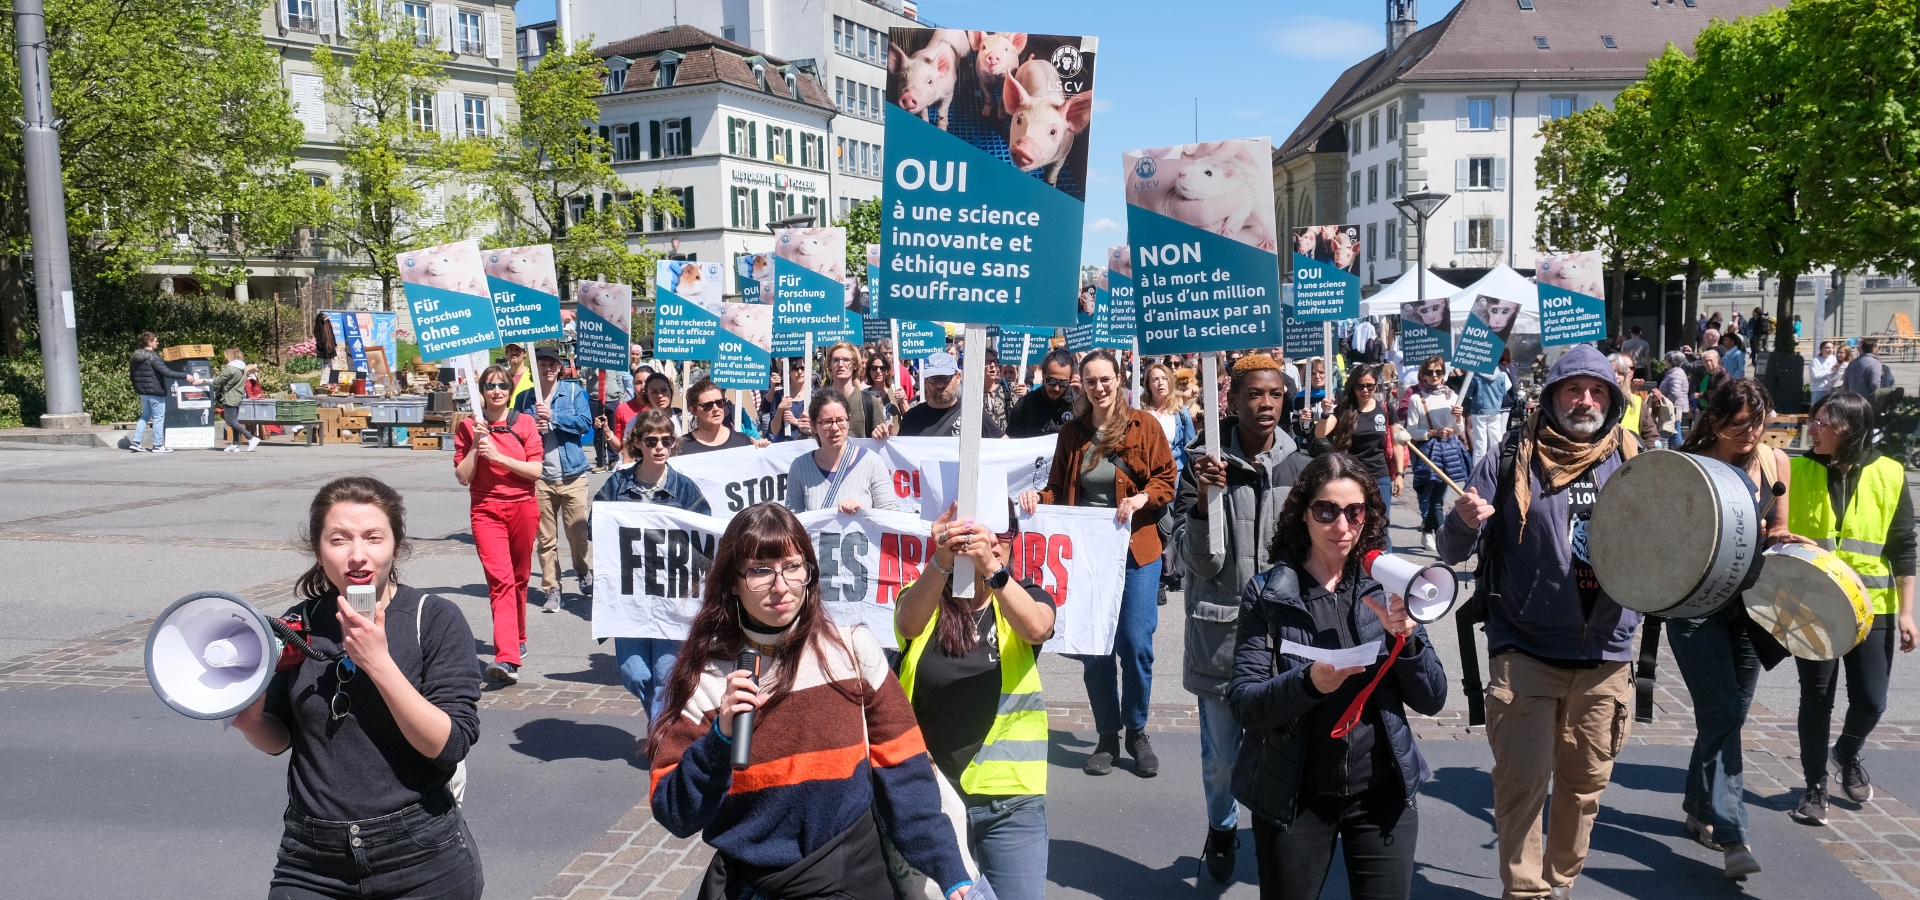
1257	488
150	373
1537	609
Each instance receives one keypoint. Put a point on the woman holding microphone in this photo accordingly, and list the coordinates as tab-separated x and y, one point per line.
833	739
379	728
968	667
1309	788
496	454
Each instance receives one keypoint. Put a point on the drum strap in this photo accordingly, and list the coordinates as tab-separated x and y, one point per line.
1644	672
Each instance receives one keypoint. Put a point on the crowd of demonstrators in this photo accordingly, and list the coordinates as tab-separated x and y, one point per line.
564	488
1050	408
229	388
1361	425
500	466
708	407
1848	498
1485	400
1113	456
837	474
150	374
1434	418
866	414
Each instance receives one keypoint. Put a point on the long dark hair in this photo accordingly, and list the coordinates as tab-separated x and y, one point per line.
314	584
764	531
1291	538
1853	416
1721	406
955	629
1106	440
1346	413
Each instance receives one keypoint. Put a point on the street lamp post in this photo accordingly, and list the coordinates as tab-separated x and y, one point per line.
47	221
1419	207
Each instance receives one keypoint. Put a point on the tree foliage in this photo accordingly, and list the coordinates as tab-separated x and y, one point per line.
862	223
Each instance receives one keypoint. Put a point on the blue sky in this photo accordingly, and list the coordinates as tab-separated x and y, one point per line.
1256	68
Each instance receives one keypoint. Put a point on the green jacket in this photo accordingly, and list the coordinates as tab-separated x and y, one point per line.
229	385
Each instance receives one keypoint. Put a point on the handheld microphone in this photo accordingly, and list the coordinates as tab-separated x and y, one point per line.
743	722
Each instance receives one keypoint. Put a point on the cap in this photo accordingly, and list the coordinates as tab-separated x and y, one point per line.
512	347
546	353
938	364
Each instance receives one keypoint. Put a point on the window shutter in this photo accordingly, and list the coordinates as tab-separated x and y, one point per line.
1501	113
328	23
756	208
653	131
633	140
733	138
443	26
1499	235
606	140
492	37
344	17
308	93
1460	121
1460	174
1546	109
280	11
686	136
1500	174
792	157
446	113
686	204
753	141
1460	236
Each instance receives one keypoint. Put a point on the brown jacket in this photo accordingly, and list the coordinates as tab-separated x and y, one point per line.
1144	450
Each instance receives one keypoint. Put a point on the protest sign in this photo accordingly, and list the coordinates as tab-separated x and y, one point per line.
1326	272
603	319
1301	339
1426	329
651	563
809	266
982	202
1205	261
446	289
756	277
1123	312
735	479
526	294
687	308
1089	326
1571	308
1016	342
919	340
1484	336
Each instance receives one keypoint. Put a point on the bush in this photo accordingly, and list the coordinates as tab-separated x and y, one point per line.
10	411
105	391
302	364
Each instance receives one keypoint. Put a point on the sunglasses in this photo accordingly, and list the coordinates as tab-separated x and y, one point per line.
711	405
653	440
343	672
496	386
1058	382
1326	511
1436	373
1365	387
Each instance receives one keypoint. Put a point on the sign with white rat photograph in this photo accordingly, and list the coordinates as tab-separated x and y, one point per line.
602	324
1572	310
1205	260
446	288
526	293
987	136
1326	272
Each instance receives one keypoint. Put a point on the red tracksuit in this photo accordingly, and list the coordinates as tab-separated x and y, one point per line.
505	522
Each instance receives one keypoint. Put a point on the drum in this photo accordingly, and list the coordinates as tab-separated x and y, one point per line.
1813	603
1673	534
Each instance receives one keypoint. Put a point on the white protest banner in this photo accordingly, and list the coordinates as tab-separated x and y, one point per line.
650	566
733	480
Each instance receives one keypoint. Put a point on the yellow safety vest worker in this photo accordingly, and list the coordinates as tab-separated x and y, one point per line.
1013	758
1861	540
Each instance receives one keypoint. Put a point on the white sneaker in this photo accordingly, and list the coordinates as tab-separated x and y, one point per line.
162	450
1426	541
231	448
252	443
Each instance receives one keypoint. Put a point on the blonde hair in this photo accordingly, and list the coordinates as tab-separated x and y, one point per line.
1170	401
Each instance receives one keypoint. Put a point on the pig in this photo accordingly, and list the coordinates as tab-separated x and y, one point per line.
1221	193
927	77
452	267
1306	241
994	55
819	249
611	302
1045	119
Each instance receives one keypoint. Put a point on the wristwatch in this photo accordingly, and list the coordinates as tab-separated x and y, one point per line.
999	579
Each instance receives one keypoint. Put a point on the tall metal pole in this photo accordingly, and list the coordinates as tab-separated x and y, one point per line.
47	221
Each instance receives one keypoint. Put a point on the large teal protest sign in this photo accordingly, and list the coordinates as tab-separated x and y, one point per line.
1326	272
739	364
985	181
1484	336
1205	266
1571	308
809	271
603	320
919	340
1426	329
526	293
688	299
447	293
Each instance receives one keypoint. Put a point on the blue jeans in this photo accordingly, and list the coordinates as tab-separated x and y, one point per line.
1008	838
1120	684
1219	745
152	409
1386	497
1433	504
1718	662
645	665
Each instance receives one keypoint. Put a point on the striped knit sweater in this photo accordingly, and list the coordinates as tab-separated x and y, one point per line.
812	772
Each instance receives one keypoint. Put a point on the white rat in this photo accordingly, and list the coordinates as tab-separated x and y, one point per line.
1221	194
529	267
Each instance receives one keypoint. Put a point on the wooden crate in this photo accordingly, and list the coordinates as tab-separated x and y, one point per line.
425	441
187	351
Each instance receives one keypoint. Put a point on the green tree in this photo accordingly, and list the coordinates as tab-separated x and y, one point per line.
398	174
862	223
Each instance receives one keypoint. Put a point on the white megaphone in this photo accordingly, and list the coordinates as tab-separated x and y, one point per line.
1430	590
211	654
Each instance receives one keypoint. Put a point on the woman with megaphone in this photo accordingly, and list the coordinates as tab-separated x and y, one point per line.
1328	753
378	724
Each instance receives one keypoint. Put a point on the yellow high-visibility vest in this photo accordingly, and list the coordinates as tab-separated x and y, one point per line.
1861	541
1013	758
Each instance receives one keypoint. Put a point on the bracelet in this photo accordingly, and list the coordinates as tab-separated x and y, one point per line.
934	561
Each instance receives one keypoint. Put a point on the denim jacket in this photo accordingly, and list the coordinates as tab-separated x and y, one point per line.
677	491
572	423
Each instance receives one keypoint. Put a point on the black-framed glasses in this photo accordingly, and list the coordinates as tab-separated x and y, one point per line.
343	672
1369	386
654	440
711	405
760	579
1436	373
1325	511
496	386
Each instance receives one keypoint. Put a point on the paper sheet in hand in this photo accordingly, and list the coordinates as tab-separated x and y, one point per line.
1363	655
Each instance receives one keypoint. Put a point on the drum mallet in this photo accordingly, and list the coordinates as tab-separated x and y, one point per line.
1401	437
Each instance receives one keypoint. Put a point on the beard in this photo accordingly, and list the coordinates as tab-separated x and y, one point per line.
1582	423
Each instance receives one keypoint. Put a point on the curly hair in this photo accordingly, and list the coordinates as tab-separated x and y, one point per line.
1293	540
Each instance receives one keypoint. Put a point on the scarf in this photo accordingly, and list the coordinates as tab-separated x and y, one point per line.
1562	459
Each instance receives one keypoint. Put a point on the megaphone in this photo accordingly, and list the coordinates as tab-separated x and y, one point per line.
211	654
1430	590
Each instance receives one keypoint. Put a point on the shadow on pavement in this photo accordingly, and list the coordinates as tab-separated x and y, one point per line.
1103	873
1468	790
601	669
1058	753
554	739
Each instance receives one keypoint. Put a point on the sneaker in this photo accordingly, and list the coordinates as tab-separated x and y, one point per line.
231	448
162	450
1426	541
1813	806
1101	762
554	602
136	448
1703	833
504	673
586	588
1739	861
1163	595
523	650
252	442
1145	764
1854	784
1217	856
1560	892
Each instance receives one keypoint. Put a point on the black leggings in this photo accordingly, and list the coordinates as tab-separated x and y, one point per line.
1868	667
1377	835
232	415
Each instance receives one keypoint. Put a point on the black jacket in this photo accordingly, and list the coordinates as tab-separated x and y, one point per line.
1034	415
150	373
1272	695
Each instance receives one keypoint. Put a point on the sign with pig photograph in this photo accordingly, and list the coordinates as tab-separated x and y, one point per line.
984	190
526	293
1206	262
603	320
1571	308
446	288
1326	272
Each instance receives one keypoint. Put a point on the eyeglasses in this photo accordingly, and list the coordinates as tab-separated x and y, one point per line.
1434	373
760	578
1058	382
1325	511
711	405
1369	386
830	423
657	440
840	360
343	672
496	386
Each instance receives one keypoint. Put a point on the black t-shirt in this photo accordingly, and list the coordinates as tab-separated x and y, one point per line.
1362	760
1035	414
1581	494
1370	431
955	698
688	445
921	420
